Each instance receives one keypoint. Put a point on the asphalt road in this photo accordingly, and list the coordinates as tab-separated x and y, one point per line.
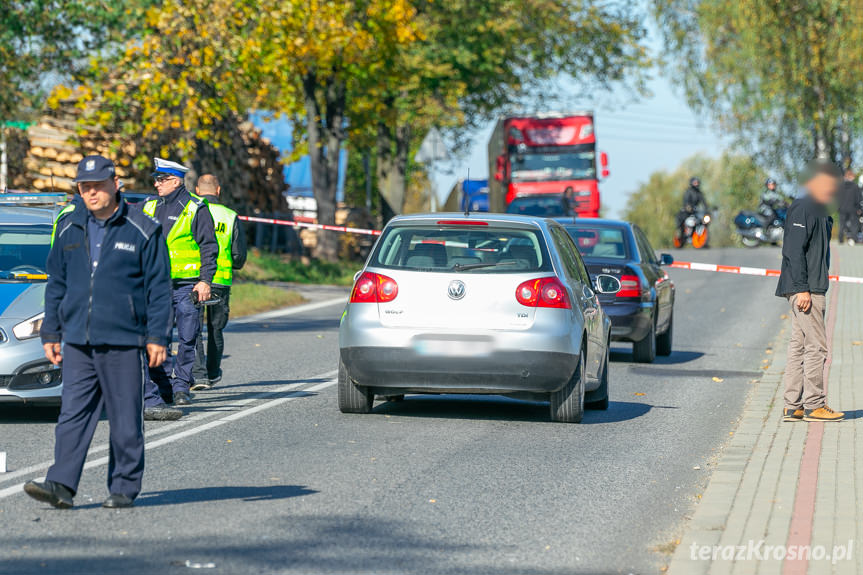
264	475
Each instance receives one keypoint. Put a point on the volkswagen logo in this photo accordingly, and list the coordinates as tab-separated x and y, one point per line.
455	289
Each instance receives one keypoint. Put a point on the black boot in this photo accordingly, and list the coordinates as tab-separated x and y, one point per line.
50	492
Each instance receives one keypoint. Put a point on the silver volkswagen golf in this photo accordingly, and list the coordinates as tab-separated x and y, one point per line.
480	304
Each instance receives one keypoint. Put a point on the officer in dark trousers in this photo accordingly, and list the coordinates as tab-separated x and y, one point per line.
188	229
232	256
108	298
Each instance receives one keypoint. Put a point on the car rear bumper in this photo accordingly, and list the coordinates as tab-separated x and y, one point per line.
540	359
630	321
502	372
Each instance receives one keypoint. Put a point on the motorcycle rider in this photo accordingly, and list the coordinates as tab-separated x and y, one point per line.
693	201
771	201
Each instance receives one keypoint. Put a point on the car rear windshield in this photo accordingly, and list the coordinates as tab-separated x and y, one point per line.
468	249
599	242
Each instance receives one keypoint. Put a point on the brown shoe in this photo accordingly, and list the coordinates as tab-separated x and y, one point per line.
823	414
792	414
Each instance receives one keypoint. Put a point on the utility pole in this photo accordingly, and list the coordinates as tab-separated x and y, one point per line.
4	162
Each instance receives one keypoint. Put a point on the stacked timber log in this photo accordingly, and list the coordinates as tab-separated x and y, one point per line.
249	167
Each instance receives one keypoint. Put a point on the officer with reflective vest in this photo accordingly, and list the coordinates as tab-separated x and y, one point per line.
192	247
232	256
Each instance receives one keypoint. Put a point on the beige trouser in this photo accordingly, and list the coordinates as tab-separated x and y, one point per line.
807	352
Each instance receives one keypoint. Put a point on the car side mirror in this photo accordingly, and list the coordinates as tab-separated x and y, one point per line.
666	259
607	284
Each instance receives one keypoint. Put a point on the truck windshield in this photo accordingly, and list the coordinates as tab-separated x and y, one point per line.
545	166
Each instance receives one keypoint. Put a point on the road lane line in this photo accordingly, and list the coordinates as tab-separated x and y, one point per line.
275	314
234	416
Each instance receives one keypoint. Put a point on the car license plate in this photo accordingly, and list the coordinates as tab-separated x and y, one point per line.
453	348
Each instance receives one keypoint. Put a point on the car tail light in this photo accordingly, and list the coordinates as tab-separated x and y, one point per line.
630	286
462	223
374	288
542	292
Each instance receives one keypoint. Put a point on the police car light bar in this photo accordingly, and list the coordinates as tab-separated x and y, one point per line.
37	199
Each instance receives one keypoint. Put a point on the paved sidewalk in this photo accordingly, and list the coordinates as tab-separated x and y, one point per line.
785	490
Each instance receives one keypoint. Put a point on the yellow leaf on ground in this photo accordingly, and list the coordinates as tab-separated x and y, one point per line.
718	379
639	393
783	316
857	343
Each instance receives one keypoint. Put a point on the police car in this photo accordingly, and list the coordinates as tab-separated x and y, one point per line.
26	221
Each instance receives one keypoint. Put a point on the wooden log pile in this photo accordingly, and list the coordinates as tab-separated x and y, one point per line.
249	167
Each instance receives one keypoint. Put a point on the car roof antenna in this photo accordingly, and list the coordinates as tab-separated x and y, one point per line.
464	195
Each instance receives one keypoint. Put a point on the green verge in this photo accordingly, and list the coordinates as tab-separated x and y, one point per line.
263	266
250	298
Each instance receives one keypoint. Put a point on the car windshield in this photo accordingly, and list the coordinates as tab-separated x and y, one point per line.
465	249
23	250
544	206
598	242
553	167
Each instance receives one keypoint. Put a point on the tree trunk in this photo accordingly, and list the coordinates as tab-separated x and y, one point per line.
325	132
393	148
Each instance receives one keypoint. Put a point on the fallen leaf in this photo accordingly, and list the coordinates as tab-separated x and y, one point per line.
639	393
783	316
547	547
432	500
697	467
320	336
857	343
257	345
722	310
718	379
230	440
768	351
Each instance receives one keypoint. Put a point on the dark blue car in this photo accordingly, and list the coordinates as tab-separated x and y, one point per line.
642	312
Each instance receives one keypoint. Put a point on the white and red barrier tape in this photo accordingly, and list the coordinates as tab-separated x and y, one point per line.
741	270
695	266
310	225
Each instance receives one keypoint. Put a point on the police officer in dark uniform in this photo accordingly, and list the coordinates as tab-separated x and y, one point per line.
192	247
108	298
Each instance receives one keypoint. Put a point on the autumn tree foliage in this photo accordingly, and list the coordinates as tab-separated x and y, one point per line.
376	75
784	76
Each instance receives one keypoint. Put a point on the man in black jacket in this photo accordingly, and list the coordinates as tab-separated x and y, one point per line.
108	298
804	282
849	208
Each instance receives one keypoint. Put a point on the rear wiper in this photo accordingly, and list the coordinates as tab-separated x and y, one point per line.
464	267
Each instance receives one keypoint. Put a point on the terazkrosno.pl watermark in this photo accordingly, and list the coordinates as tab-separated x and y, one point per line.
759	551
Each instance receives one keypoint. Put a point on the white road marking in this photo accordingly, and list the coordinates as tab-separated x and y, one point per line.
234	416
289	311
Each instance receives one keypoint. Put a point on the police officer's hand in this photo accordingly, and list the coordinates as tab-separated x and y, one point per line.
156	353
203	290
53	352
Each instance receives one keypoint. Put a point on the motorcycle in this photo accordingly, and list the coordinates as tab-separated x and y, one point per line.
694	230
755	229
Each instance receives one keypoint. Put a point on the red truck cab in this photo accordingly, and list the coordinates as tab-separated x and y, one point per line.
546	154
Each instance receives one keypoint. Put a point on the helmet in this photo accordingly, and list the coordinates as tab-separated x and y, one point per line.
769	182
694	182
